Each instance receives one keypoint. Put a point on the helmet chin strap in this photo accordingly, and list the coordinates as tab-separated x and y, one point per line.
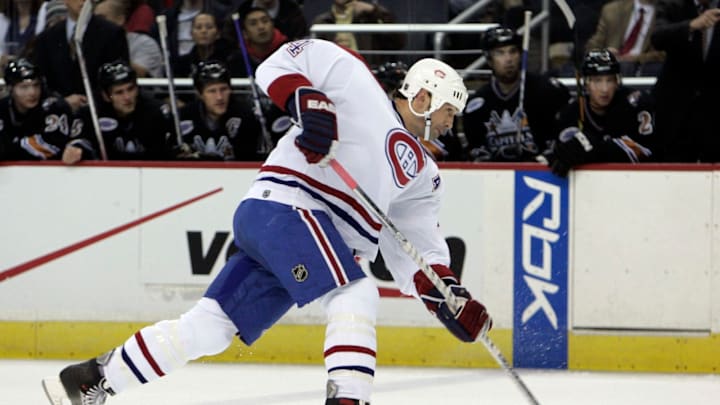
427	126
425	116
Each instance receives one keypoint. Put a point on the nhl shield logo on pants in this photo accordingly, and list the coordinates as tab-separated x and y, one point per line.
300	273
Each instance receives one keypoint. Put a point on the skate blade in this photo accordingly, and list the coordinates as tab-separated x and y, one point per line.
55	391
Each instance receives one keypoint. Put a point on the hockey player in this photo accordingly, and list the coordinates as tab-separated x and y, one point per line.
33	124
496	126
617	123
299	227
447	146
133	125
216	125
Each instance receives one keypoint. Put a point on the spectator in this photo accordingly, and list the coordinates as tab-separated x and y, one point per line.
50	13
140	17
55	56
179	24
217	126
145	55
687	88
624	28
133	125
563	41
22	17
33	124
287	16
159	6
617	125
261	39
361	12
497	127
346	39
208	45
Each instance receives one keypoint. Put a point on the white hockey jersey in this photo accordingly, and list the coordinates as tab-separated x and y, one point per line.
387	162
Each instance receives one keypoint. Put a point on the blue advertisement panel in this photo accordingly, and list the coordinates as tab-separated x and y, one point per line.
540	281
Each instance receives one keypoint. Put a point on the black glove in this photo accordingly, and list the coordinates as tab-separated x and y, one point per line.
572	149
312	111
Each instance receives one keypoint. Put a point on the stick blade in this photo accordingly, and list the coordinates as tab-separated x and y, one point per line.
567	12
83	20
55	392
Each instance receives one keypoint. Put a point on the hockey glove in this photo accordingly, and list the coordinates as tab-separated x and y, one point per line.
469	320
312	111
572	149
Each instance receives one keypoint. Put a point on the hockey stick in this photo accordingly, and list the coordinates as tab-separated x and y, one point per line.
570	18
80	27
523	75
162	28
429	273
267	144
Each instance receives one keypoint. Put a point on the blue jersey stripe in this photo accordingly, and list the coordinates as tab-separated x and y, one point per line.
132	366
344	215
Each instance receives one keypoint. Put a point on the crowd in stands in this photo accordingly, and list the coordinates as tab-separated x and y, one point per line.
45	113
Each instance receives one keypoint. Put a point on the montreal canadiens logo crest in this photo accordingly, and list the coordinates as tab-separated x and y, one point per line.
405	156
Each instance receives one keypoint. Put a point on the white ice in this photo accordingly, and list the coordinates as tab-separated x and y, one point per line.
250	384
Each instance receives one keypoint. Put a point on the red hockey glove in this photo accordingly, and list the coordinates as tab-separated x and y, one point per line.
469	320
312	111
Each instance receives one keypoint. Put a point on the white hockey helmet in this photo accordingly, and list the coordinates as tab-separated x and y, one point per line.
440	79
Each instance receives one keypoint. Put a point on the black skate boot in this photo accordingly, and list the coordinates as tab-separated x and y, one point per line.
85	383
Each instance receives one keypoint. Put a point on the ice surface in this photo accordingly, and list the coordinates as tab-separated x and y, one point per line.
249	384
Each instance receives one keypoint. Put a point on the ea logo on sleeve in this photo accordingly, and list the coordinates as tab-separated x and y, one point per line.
405	156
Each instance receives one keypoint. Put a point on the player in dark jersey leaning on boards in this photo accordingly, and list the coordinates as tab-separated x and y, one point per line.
33	124
499	129
217	125
616	123
133	125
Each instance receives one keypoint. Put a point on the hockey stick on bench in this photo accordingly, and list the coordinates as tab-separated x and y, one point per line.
265	145
161	21
429	273
78	37
577	57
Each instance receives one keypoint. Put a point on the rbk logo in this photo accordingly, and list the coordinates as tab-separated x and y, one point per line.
539	277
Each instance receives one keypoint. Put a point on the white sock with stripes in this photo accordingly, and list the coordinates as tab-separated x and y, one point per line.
350	341
165	346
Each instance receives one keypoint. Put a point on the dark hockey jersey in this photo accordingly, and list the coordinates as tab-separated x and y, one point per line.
497	130
624	133
235	136
140	135
39	134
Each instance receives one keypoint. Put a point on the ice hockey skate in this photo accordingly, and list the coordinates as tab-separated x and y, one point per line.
79	384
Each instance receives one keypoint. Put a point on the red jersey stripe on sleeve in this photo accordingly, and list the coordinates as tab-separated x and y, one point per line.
282	87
